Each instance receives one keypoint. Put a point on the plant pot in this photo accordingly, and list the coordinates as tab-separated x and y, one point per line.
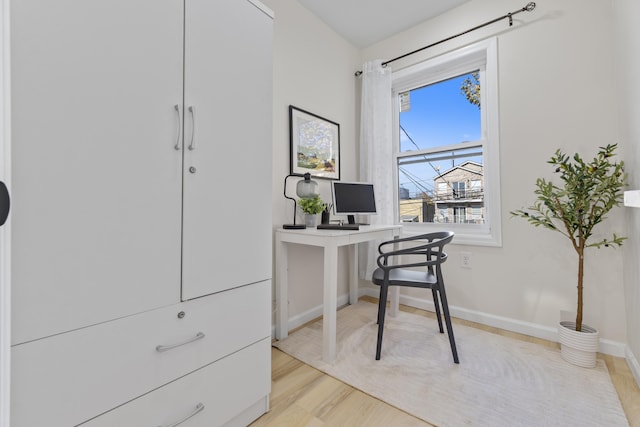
310	220
578	348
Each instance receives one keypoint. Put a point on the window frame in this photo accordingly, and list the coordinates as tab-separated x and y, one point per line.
483	56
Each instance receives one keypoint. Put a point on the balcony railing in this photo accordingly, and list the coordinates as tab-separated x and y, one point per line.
462	195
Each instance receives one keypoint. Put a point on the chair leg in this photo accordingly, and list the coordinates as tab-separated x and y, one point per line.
382	289
382	307
436	304
447	319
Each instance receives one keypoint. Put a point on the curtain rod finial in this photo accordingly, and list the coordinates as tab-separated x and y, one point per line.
530	6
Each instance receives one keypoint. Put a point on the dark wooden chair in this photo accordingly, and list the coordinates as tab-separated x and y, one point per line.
417	264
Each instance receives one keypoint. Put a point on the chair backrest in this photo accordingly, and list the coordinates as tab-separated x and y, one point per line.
429	245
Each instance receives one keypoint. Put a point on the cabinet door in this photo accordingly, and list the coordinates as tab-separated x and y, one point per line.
96	178
227	182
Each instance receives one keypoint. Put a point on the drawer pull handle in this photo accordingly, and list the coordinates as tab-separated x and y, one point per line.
162	348
199	408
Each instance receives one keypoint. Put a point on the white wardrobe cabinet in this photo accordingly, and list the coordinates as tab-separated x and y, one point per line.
141	142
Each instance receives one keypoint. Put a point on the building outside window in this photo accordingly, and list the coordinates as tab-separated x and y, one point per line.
462	186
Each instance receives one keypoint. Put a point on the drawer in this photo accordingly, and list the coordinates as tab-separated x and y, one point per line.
72	377
223	390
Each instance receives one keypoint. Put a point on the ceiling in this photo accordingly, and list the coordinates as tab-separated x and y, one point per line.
365	22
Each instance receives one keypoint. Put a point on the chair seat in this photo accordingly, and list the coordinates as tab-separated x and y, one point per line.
403	277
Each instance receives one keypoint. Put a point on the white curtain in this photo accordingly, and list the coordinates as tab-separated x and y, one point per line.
376	151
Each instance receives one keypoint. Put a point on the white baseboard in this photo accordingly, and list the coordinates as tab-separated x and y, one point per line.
309	315
632	361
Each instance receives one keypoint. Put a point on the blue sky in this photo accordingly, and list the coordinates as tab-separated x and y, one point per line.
440	115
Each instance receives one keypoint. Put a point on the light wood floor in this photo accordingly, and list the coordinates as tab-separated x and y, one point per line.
304	396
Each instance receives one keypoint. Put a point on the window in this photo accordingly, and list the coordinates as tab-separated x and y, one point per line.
476	215
446	165
458	190
459	214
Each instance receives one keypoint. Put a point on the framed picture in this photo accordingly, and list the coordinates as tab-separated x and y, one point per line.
315	144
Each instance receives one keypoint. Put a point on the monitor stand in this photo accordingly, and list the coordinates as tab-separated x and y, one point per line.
352	220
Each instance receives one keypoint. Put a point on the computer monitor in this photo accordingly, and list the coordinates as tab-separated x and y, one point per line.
353	198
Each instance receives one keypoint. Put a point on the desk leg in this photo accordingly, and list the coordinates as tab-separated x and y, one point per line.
394	291
330	305
394	300
282	289
353	273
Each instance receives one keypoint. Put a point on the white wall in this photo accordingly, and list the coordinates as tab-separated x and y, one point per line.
313	70
556	91
627	46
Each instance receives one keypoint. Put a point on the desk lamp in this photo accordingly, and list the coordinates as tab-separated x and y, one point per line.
304	189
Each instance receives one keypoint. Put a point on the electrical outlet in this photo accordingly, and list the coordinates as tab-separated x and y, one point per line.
465	259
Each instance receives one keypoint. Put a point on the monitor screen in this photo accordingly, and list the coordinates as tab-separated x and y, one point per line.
353	198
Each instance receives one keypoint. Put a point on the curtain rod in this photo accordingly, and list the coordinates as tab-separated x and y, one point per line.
528	8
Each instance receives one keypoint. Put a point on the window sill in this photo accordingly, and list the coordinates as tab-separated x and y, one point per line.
463	234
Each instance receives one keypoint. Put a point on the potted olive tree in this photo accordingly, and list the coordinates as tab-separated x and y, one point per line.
588	191
311	206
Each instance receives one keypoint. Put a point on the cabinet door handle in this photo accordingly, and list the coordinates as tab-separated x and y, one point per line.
5	203
162	348
192	110
177	107
199	408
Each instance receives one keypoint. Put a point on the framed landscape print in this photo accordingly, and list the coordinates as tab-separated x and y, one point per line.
315	144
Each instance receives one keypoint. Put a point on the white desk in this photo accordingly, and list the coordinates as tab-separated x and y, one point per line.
330	240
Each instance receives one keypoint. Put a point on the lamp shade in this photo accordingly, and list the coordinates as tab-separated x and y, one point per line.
307	188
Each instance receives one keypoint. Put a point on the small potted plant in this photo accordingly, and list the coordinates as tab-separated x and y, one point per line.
311	207
587	193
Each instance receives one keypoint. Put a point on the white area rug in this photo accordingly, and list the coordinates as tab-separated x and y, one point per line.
499	381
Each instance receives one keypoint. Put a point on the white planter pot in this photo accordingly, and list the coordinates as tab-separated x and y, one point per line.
578	348
310	220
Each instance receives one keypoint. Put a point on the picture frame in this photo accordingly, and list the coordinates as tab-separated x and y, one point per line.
315	145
